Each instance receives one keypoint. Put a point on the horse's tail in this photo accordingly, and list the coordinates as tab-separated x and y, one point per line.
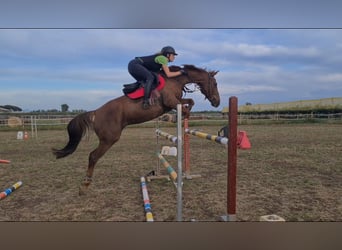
77	128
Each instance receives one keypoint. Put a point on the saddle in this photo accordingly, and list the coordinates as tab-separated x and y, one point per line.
136	90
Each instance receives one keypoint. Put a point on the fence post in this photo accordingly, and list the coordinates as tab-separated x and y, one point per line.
232	161
180	159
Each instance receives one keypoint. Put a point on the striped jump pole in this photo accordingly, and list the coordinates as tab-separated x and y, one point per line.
242	139
168	136
168	167
215	138
4	161
8	191
147	204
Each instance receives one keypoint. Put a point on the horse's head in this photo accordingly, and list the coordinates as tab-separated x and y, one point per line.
206	82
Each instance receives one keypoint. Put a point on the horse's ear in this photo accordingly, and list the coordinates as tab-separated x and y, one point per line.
213	73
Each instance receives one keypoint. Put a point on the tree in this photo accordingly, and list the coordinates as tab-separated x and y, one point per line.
65	107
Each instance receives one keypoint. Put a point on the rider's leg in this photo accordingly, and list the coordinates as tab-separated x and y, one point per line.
137	70
143	75
147	91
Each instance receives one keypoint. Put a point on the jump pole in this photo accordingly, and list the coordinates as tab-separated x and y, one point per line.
168	136
179	141
168	167
5	161
8	191
156	174
179	163
147	204
215	138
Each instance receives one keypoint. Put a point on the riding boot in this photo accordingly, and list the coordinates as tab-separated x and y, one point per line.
147	93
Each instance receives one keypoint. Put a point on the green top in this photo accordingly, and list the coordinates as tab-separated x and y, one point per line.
161	60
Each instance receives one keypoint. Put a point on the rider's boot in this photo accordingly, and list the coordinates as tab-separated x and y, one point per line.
147	89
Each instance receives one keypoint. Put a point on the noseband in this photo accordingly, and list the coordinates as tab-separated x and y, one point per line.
210	84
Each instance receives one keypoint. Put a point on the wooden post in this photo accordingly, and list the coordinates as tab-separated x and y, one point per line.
232	160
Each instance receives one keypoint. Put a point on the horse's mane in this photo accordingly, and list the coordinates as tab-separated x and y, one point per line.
174	68
187	67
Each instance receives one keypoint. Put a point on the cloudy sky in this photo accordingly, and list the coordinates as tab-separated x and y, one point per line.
84	68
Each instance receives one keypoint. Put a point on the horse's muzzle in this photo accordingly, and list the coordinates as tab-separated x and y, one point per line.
215	102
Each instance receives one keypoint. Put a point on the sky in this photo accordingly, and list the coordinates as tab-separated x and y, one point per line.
85	68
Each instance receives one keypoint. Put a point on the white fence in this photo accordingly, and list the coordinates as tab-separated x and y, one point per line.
17	120
277	116
34	122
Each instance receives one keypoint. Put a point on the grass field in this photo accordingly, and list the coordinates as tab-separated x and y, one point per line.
294	171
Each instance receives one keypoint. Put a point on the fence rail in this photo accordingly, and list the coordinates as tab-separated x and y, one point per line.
15	120
298	116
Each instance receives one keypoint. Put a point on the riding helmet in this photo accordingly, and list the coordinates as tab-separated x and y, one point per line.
168	50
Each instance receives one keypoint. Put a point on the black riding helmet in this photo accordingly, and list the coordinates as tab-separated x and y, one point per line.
168	50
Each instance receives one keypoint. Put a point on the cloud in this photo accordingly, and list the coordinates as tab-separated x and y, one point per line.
76	99
71	78
332	78
257	65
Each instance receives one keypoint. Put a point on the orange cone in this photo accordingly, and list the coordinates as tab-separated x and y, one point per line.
243	141
26	136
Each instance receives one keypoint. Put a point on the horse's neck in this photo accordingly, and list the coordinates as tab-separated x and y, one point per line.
182	81
194	81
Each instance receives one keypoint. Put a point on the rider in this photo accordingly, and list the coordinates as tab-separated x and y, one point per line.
142	69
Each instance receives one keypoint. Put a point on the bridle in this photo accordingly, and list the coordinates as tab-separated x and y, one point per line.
186	89
210	84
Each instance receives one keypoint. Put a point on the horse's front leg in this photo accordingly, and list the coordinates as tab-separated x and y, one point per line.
187	105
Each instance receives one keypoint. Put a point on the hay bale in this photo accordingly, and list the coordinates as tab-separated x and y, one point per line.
168	118
14	121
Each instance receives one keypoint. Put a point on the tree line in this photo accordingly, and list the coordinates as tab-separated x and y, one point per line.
64	109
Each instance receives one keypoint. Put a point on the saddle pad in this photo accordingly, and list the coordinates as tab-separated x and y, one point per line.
140	91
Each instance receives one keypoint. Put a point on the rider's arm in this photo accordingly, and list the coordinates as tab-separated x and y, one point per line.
168	73
164	62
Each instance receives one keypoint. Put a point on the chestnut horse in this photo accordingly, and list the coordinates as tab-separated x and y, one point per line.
109	120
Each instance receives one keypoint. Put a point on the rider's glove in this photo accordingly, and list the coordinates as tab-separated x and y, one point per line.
183	72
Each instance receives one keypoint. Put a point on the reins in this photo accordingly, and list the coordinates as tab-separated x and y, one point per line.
197	86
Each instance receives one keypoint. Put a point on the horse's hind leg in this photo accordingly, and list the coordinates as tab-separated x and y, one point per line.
94	156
